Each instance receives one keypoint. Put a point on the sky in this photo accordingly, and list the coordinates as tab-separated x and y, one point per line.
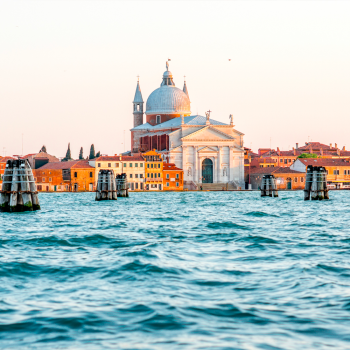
68	69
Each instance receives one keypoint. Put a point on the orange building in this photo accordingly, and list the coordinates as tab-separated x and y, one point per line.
172	177
71	176
153	171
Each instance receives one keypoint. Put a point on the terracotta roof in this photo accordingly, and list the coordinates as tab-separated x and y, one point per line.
170	166
5	159
58	165
274	170
316	145
82	164
325	162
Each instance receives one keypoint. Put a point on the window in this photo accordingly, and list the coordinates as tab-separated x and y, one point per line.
90	173
289	160
138	107
167	176
136	165
50	179
147	165
167	184
137	185
152	165
116	165
159	165
136	176
295	179
335	172
43	179
302	179
132	186
344	172
158	119
141	176
177	176
50	172
152	175
109	165
130	165
40	187
130	176
67	187
285	161
177	184
141	186
327	172
141	165
124	165
75	174
99	165
35	179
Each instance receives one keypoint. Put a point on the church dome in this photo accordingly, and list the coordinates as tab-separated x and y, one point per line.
168	99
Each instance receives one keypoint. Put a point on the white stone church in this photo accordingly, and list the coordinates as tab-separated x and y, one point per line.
207	150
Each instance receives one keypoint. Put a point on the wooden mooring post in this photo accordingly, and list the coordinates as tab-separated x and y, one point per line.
316	183
122	185
106	188
268	186
18	192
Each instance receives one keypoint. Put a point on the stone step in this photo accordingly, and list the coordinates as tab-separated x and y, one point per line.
221	186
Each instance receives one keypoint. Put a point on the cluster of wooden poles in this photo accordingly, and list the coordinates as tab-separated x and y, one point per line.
122	185
268	186
18	188
109	187
316	183
106	187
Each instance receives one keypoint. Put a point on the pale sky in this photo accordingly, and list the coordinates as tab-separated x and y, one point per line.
68	69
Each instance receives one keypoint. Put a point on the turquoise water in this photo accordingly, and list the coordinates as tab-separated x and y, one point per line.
211	270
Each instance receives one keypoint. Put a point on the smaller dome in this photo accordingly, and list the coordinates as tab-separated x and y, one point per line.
167	74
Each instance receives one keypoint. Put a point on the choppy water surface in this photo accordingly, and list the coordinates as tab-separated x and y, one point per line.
217	270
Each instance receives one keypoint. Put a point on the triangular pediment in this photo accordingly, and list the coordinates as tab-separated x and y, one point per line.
208	133
208	149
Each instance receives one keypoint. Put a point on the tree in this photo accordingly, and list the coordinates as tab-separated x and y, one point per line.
68	155
92	152
81	153
43	149
98	154
308	155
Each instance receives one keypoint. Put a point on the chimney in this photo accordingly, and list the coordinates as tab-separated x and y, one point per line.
330	145
297	145
335	145
278	149
321	151
343	148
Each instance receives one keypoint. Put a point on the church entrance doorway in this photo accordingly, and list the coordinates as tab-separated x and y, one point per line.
207	171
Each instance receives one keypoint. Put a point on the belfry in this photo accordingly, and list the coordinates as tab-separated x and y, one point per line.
207	150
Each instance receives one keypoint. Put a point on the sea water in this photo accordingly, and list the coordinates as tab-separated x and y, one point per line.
192	270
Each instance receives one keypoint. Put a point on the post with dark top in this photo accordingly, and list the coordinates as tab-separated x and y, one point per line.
268	186
105	189
18	192
316	183
122	185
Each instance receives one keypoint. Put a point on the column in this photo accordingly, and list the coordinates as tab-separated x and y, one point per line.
218	164
230	171
194	163
184	162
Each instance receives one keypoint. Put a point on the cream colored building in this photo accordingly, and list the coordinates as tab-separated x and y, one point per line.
132	166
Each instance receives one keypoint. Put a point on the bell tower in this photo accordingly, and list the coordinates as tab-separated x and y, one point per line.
138	106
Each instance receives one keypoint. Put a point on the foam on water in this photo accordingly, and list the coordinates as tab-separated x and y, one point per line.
208	270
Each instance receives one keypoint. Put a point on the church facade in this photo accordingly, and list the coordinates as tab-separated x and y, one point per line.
207	150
